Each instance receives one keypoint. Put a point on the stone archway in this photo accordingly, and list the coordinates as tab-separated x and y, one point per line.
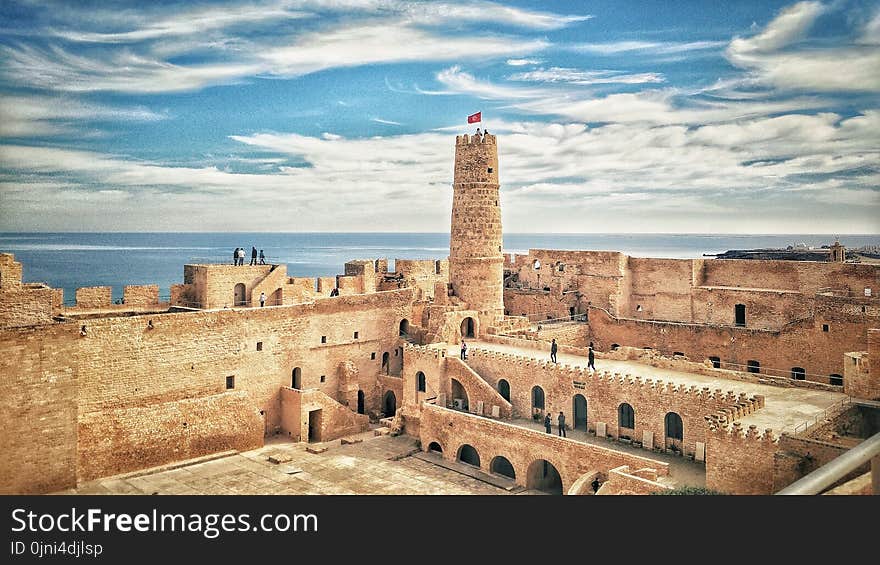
467	327
543	476
467	454
389	404
501	465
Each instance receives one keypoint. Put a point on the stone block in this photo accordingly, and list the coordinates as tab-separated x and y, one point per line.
496	411
601	429
700	453
316	448
350	441
277	458
648	440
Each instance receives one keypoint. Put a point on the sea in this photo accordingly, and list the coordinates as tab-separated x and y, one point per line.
73	260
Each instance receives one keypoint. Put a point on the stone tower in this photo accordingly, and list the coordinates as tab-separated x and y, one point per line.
476	264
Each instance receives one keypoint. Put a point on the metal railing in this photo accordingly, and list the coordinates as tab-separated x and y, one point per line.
827	475
833	410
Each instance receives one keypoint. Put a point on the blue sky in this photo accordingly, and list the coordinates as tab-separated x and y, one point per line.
315	115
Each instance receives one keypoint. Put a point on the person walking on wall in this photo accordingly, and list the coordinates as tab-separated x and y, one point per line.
548	425
262	299
553	349
591	358
253	255
463	351
561	420
262	258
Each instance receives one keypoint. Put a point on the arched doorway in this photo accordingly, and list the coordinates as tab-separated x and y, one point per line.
537	400
435	447
459	396
579	409
504	389
360	402
389	404
626	417
543	476
386	365
500	465
296	378
467	454
238	298
420	382
467	327
404	327
674	431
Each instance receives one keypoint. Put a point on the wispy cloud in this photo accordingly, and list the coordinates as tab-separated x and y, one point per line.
774	57
29	116
576	76
388	122
646	47
523	62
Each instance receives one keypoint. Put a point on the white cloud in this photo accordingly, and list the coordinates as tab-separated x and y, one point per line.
28	116
523	62
774	58
575	76
460	82
646	47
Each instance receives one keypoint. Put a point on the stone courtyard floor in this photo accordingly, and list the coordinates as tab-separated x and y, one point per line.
368	467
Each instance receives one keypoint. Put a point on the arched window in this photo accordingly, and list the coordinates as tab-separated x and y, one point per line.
467	454
504	389
420	378
626	416
404	327
501	465
674	427
296	378
537	398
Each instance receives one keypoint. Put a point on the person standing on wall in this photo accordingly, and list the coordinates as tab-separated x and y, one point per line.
262	258
262	299
591	358
241	255
548	424
553	349
235	256
463	350
253	255
561	420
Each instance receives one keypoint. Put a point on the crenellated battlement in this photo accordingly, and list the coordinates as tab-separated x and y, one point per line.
735	432
727	406
430	351
485	139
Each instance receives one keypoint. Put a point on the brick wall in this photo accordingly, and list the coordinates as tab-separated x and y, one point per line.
146	295
522	447
117	440
604	393
123	366
94	296
741	462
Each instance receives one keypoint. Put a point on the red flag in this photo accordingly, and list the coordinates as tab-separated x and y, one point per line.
473	118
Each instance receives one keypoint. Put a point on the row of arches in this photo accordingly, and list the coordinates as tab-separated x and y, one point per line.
626	418
541	474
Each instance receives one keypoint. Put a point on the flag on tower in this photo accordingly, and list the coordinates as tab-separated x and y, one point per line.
474	118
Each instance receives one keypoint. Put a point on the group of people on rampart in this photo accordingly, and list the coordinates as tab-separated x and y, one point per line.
239	254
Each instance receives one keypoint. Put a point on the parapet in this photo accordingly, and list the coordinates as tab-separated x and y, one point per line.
486	139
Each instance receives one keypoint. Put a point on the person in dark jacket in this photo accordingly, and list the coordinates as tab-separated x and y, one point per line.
548	424
591	358
253	255
553	349
561	420
262	258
